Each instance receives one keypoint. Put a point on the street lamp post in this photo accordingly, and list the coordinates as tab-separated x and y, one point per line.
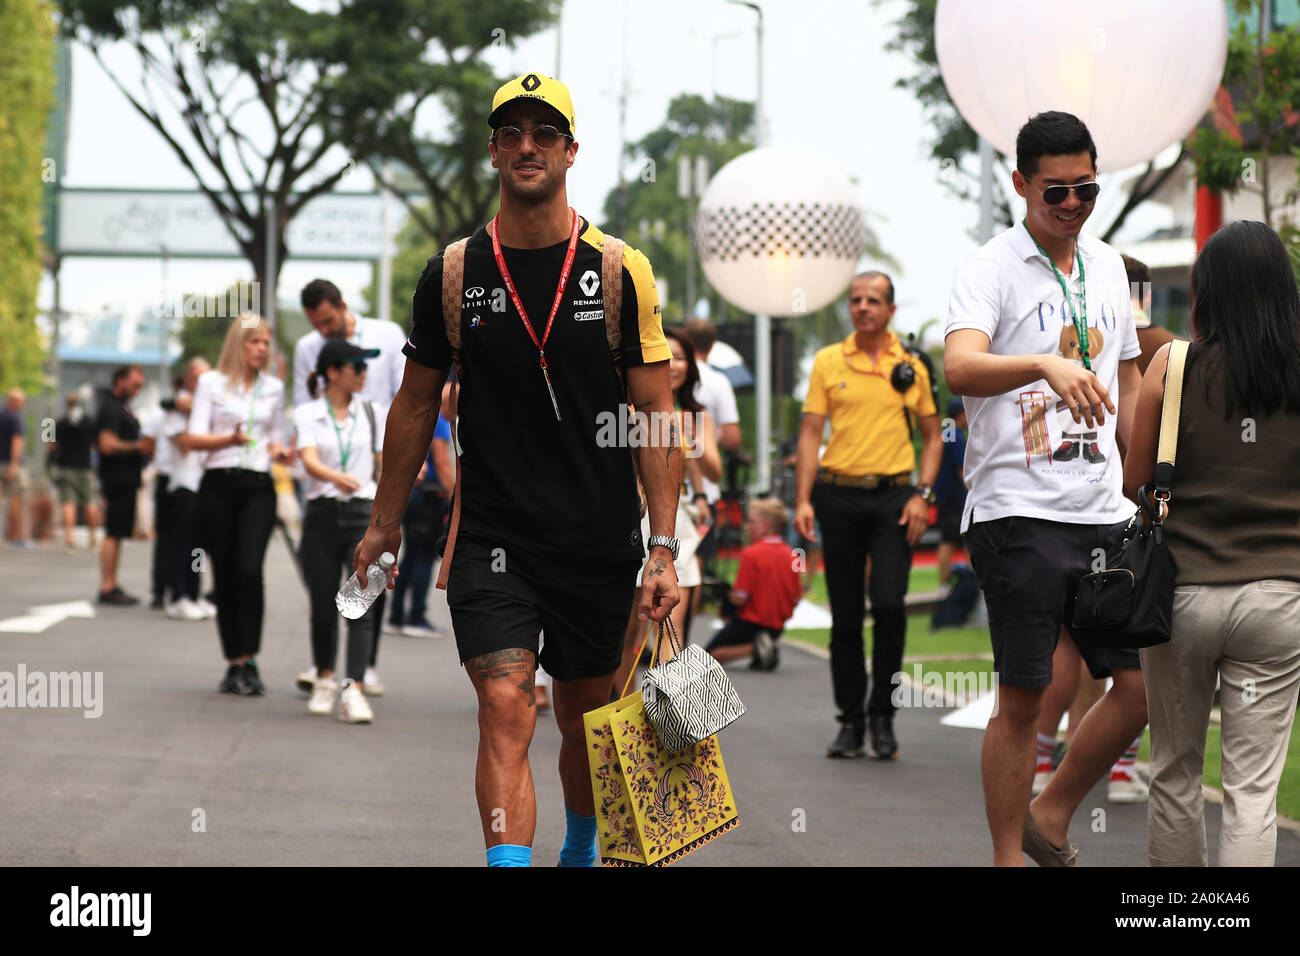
762	323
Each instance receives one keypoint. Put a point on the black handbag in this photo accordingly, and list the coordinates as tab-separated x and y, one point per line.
1129	602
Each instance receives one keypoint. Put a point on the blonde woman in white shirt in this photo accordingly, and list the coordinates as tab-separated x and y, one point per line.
340	437
238	422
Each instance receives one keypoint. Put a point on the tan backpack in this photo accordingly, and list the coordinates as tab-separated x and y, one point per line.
453	285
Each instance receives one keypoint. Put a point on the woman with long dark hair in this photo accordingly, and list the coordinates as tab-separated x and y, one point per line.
701	459
1234	531
340	438
238	420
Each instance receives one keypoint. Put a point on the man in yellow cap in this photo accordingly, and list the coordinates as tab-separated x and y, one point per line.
545	535
870	388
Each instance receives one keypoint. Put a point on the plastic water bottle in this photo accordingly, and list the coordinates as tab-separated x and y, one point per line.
354	600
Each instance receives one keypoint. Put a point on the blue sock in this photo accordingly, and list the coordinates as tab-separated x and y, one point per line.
509	854
579	840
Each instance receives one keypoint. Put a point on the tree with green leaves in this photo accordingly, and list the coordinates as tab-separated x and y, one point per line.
1237	152
252	96
448	91
955	139
26	88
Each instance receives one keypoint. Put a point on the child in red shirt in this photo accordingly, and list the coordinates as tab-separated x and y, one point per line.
766	591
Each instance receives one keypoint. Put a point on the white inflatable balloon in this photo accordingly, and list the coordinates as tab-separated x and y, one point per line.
780	232
1140	74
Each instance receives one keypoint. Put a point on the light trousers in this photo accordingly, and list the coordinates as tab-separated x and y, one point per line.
1249	637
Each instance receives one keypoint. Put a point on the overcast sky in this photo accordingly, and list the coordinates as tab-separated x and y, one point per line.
828	87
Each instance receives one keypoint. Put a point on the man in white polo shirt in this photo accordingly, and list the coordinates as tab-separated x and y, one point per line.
331	319
1041	342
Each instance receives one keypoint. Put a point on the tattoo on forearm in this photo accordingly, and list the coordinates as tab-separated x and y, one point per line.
672	445
512	663
660	565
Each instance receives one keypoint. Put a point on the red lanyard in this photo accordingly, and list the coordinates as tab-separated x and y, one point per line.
555	306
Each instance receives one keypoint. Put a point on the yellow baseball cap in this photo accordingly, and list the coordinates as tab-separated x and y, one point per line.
534	86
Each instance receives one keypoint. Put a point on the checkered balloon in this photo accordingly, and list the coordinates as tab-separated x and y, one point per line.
780	232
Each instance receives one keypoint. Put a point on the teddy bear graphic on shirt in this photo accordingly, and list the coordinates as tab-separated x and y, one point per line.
1074	441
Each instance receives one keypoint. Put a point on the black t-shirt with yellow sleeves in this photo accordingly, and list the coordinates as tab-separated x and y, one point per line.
529	481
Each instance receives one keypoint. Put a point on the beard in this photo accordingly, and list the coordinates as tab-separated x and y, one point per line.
535	192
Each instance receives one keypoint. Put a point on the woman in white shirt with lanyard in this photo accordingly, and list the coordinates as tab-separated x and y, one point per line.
340	438
238	420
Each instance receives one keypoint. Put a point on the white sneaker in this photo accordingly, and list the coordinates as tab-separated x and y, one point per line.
353	707
190	610
371	685
207	607
183	609
307	680
323	696
1127	788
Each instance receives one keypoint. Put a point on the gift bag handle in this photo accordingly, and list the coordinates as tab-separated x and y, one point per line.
658	630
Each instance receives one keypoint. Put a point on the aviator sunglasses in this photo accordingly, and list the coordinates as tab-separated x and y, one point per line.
509	137
1055	195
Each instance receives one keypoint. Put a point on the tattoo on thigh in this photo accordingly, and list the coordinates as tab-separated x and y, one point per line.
513	662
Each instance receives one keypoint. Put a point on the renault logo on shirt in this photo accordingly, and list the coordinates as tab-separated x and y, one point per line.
589	282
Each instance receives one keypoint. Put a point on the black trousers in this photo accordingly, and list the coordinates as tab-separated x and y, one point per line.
162	545
331	531
856	523
236	514
183	535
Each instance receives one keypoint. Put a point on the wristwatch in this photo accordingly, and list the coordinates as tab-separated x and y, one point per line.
663	541
926	492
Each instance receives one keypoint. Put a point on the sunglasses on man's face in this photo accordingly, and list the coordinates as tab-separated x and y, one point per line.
1055	195
509	137
358	367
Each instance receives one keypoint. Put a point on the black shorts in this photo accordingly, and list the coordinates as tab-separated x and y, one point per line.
119	512
739	631
502	598
950	510
1029	570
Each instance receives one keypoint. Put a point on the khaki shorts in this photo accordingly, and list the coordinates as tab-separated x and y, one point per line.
77	486
17	486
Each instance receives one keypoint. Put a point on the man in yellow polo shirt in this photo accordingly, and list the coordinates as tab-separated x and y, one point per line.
872	389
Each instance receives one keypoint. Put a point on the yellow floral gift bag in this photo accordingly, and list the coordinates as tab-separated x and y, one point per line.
652	806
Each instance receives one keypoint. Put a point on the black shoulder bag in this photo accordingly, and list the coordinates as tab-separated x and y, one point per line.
1130	601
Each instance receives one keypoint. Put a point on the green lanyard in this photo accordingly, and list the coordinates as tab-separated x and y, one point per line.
252	410
1080	314
345	452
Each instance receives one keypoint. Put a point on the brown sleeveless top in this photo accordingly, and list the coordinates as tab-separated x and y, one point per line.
1235	513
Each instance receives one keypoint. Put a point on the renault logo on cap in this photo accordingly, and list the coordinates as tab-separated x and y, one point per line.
531	82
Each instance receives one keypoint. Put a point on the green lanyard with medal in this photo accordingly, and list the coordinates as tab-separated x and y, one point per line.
345	451
1080	314
252	409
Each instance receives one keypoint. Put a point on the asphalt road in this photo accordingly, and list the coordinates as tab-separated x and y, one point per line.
271	784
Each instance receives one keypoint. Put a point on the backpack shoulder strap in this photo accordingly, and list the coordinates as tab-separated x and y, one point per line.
453	284
611	280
